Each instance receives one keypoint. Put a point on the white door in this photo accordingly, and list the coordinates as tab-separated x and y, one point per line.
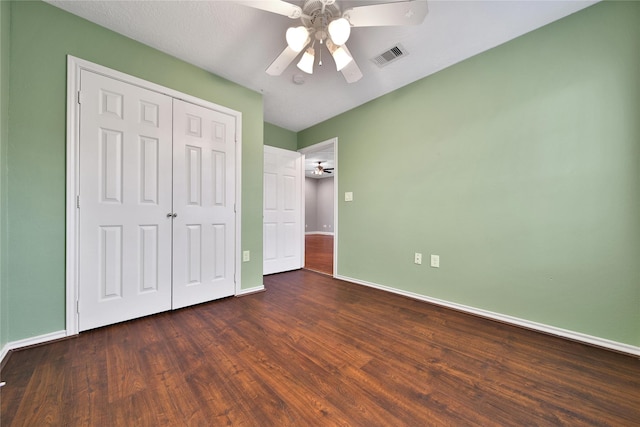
283	214
204	204
125	195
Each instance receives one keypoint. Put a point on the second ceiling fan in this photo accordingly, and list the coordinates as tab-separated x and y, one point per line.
323	23
320	170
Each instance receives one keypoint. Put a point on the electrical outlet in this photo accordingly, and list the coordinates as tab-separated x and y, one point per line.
435	261
417	258
246	256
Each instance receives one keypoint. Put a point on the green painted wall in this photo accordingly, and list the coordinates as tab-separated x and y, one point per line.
5	10
41	37
520	167
276	136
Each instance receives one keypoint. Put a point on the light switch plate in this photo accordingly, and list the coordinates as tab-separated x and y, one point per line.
348	196
435	261
246	256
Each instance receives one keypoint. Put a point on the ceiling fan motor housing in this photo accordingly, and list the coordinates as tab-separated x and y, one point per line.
317	14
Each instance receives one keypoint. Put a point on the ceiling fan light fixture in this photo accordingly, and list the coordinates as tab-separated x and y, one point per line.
307	60
297	38
324	22
339	30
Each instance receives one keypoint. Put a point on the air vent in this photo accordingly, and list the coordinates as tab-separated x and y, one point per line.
389	56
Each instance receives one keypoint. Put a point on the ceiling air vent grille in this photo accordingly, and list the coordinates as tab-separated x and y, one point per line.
389	56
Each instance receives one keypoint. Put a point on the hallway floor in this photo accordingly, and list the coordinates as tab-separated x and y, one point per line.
319	253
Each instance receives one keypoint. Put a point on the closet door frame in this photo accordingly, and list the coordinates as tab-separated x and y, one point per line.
74	67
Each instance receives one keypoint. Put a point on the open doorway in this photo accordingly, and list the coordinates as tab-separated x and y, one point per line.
320	206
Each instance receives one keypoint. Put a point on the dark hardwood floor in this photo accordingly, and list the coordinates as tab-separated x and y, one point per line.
319	253
314	351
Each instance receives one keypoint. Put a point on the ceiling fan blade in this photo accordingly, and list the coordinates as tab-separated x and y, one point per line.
282	61
275	6
328	169
387	14
351	72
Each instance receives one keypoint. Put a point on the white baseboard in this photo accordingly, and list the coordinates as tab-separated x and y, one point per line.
552	330
15	345
4	352
322	233
248	291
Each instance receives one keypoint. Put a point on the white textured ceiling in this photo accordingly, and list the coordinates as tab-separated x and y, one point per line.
238	43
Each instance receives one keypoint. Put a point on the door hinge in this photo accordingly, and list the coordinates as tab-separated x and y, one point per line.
234	208
78	202
78	306
79	97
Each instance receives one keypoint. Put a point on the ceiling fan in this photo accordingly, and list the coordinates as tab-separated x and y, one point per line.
325	24
319	170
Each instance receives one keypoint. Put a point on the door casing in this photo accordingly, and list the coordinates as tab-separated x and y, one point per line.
74	67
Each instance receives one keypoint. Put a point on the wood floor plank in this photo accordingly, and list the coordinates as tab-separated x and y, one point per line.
317	351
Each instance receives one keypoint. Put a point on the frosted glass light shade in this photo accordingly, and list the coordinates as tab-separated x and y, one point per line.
340	55
339	30
297	38
342	58
307	60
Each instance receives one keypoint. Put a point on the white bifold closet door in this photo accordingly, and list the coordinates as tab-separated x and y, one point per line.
157	194
125	195
203	200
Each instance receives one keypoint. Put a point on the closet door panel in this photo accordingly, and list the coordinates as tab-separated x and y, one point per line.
203	194
125	195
